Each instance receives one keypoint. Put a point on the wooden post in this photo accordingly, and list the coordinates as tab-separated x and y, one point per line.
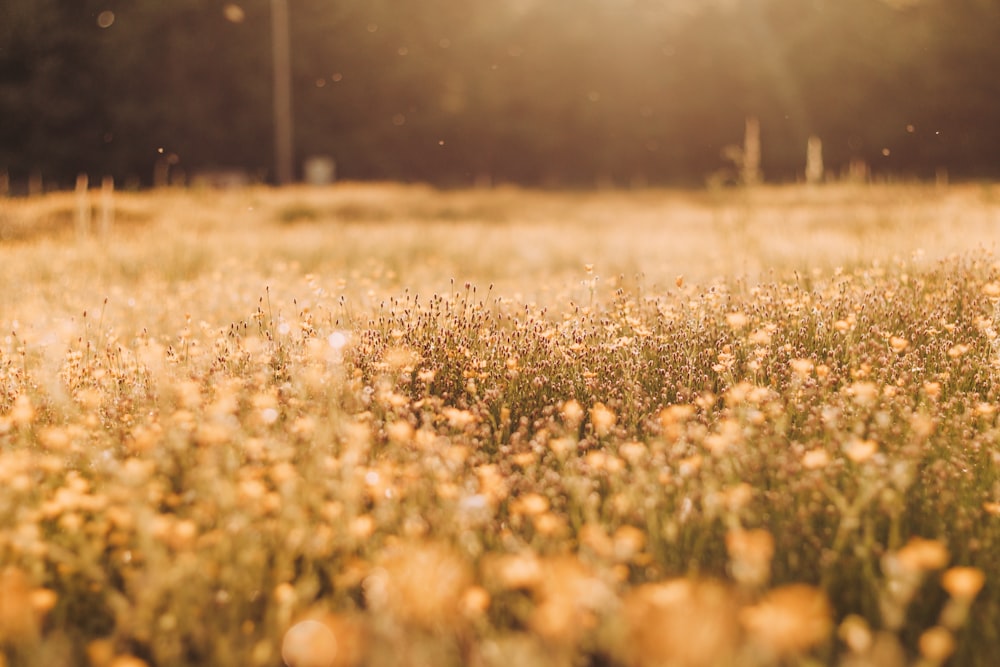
282	63
941	177
35	186
82	207
858	171
814	160
751	153
161	172
107	207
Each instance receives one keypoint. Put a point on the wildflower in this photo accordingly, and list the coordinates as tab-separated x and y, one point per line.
681	622
860	451
561	446
898	344
922	555
362	527
143	438
603	419
302	427
957	351
690	465
214	433
55	439
963	583
99	652
337	340
269	415
677	413
923	425
596	459
729	434
285	595
394	400
189	394
985	409
399	432
458	419
309	644
129	660
932	389
515	571
738	393
802	368
672	419
634	452
475	601
251	490
401	358
862	391
594	537
855	632
569	597
814	459
937	644
531	504
991	508
43	600
492	483
549	524
183	534
420	584
525	459
23	412
18	625
628	542
789	620
736	321
750	554
572	413
378	484
904	571
735	498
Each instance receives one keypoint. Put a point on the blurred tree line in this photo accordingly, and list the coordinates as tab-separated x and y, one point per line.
545	92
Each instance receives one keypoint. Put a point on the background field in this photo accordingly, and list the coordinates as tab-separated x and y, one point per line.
532	240
501	426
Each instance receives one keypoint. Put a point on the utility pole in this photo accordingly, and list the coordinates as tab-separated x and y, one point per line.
283	157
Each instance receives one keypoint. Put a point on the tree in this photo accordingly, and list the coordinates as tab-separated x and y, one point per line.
52	121
552	92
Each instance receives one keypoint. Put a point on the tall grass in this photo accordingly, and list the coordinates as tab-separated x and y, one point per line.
505	427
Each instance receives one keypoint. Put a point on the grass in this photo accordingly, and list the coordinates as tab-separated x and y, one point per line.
385	425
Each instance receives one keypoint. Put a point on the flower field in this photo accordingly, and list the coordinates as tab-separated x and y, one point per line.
386	425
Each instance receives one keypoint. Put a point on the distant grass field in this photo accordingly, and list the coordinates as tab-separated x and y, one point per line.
387	425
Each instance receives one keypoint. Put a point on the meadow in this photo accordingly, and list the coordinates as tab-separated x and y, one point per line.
389	425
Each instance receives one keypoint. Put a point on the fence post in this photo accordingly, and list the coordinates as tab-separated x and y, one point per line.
35	185
82	207
107	207
751	153
161	172
941	177
858	171
814	160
